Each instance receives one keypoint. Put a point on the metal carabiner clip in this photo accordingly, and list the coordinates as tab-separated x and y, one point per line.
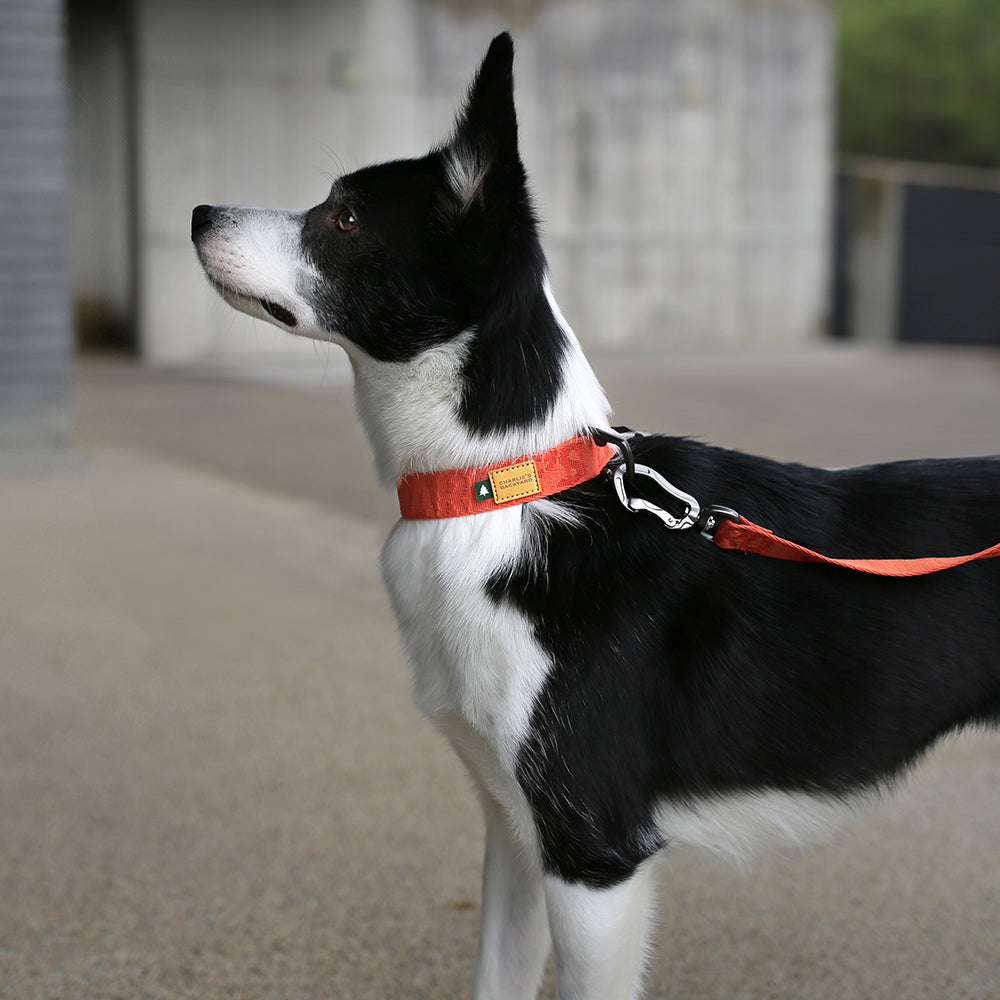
636	504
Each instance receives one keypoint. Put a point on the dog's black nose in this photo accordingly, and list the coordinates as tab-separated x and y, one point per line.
201	218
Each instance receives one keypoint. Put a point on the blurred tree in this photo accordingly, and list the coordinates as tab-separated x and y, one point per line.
920	79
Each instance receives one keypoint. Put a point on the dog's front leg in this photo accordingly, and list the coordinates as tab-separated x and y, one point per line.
600	936
514	939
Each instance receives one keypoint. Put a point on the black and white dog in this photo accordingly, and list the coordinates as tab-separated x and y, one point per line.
612	686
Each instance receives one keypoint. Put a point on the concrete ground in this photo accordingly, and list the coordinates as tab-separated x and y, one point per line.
212	783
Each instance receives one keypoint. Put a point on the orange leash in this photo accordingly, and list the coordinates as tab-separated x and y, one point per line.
744	536
459	492
730	530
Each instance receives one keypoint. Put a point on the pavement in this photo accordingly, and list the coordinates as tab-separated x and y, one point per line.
213	784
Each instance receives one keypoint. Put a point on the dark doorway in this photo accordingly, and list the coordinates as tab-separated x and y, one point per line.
102	174
950	273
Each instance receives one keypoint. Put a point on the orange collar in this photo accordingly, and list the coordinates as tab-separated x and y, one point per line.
456	492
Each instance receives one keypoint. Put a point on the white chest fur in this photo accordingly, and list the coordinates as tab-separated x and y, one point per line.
478	667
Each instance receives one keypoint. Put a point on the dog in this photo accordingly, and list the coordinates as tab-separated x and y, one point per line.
611	685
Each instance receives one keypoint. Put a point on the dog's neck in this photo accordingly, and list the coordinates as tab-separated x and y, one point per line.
412	414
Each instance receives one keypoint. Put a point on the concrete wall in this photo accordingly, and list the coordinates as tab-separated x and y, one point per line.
679	150
35	331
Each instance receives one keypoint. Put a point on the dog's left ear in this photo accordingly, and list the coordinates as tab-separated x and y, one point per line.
483	148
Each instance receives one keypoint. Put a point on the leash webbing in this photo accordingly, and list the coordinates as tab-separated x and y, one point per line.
730	530
745	536
458	492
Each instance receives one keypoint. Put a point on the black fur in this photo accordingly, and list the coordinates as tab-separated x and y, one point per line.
683	671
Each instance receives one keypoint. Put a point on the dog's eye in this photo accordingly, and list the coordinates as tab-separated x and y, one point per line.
346	220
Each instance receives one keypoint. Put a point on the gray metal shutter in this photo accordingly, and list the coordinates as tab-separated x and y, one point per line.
35	327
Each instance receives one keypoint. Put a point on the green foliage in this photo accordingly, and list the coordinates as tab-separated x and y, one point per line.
920	79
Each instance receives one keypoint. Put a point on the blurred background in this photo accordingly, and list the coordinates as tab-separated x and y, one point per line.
774	224
735	173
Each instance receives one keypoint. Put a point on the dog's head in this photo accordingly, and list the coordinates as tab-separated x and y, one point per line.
401	256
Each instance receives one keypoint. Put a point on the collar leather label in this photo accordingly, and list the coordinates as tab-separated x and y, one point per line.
515	482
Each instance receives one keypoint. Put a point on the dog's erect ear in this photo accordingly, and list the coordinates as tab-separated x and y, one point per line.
485	139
